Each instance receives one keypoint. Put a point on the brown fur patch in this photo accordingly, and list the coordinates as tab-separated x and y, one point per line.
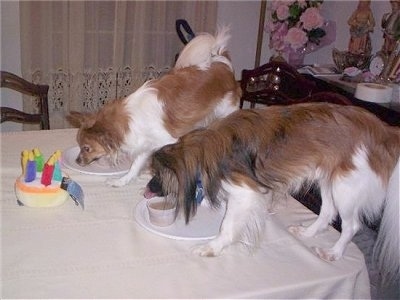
190	95
280	147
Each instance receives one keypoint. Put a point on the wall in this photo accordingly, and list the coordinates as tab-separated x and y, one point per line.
244	18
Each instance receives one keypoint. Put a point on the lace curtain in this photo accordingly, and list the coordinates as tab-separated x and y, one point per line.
90	52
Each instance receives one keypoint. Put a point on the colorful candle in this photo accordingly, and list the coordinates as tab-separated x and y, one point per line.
57	175
57	154
24	161
30	174
39	159
48	170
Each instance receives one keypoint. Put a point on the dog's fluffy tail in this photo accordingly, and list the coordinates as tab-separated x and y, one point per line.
387	247
205	49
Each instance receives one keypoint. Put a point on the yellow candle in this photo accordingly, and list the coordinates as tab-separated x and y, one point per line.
24	160
57	154
51	160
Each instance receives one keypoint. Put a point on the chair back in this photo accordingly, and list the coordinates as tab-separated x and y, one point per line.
278	83
275	82
38	91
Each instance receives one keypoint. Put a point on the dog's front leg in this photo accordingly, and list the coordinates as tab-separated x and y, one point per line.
136	167
244	220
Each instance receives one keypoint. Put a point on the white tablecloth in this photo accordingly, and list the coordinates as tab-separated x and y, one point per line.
101	252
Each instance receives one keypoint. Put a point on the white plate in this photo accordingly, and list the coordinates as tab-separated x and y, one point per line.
100	167
203	226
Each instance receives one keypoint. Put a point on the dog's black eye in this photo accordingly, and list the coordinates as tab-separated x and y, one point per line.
86	148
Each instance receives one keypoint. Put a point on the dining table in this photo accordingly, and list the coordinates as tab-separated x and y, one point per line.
108	249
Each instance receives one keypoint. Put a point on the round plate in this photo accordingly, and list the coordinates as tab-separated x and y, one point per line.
203	226
100	167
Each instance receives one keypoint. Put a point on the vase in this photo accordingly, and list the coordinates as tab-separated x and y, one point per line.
278	57
296	58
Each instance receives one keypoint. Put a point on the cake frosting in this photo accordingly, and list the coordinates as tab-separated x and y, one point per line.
40	182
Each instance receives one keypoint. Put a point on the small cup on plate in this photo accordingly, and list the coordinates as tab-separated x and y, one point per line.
161	211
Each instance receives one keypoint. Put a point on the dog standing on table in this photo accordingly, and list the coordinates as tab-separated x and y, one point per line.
200	88
252	155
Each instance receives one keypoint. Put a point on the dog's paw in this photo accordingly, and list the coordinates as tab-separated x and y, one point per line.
116	182
326	254
297	230
206	250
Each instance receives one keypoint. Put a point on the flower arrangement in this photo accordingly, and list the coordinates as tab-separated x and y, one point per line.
294	24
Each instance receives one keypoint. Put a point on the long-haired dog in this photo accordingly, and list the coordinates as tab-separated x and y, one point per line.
252	156
200	88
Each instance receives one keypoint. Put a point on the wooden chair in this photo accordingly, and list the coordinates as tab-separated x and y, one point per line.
39	92
279	83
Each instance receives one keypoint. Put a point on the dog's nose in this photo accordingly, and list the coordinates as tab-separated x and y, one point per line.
79	161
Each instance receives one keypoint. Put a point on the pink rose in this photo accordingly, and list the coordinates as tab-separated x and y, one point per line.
302	3
274	4
282	12
270	26
277	45
311	18
277	36
282	28
296	38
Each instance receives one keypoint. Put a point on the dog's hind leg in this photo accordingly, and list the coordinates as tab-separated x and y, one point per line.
359	192
244	220
326	215
349	214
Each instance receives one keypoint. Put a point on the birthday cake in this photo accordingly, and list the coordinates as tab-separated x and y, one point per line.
40	182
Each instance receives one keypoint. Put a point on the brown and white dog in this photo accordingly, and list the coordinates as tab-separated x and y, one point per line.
253	156
200	88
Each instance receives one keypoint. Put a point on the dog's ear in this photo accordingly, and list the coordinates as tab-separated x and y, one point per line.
172	163
78	119
107	140
187	181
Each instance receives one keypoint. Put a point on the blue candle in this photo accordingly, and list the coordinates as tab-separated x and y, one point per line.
30	174
57	175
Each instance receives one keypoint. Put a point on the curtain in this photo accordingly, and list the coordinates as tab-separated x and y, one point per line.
90	52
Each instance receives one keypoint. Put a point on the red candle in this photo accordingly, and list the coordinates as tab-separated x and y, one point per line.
47	173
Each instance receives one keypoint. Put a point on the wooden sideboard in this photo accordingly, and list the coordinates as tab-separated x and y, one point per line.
389	115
